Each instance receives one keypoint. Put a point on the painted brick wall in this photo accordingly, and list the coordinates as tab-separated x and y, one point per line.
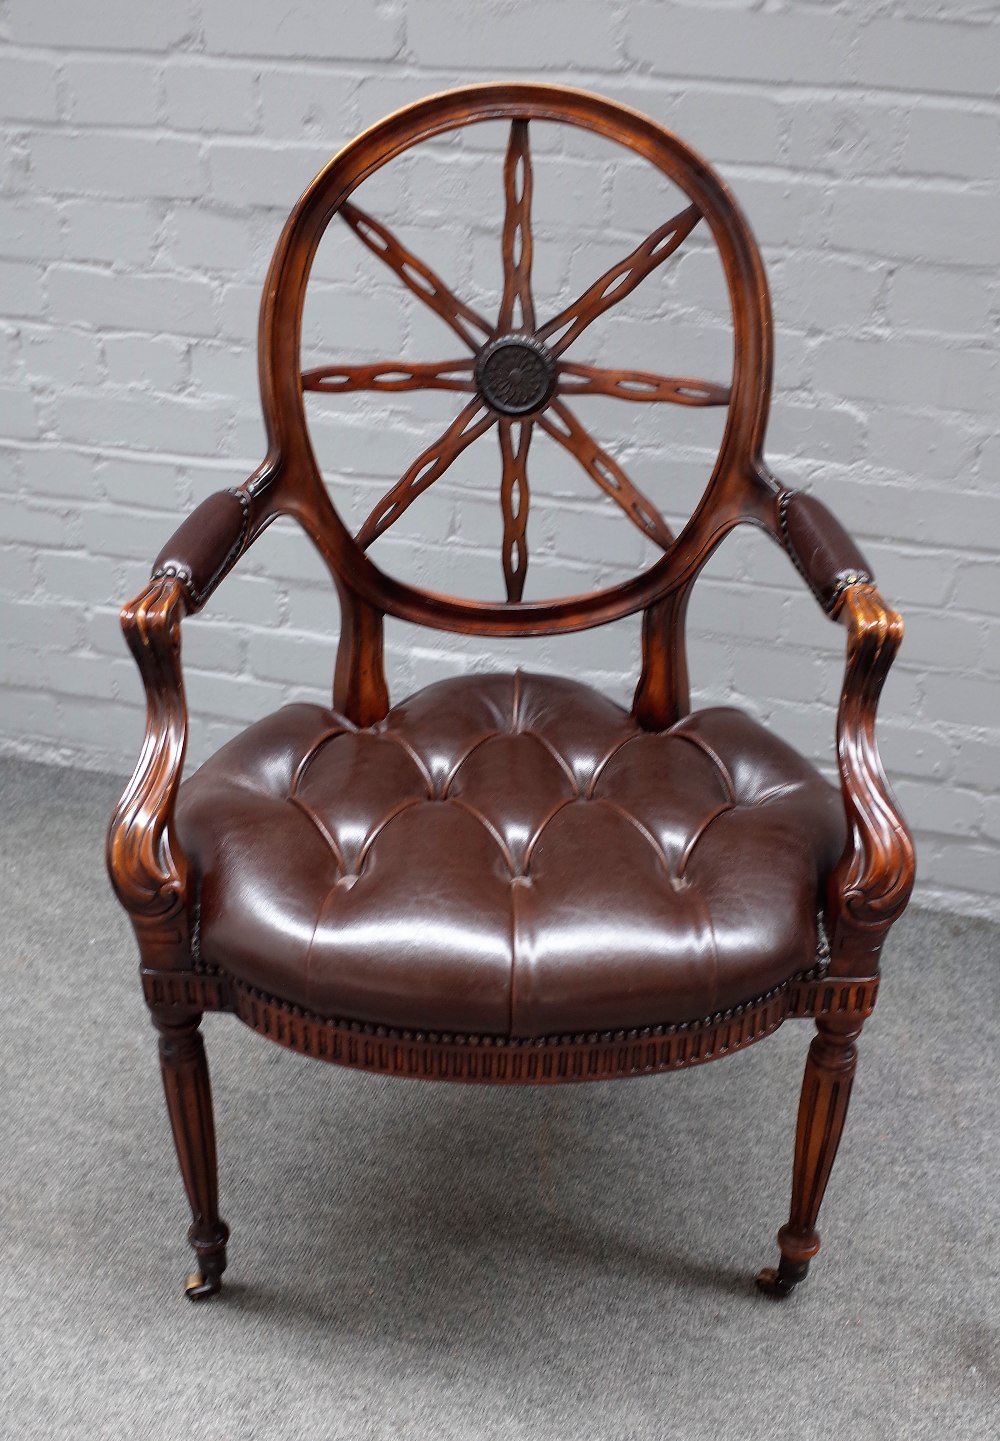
149	156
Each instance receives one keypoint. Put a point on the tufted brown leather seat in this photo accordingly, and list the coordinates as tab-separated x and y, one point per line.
510	855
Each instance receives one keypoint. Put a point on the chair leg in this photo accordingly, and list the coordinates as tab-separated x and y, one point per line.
826	1090
189	1104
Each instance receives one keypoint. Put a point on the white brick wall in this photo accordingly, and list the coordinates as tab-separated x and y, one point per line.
149	155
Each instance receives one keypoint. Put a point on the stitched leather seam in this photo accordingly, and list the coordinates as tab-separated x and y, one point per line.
529	849
492	735
702	905
644	831
373	836
515	707
602	764
688	852
310	756
514	968
318	824
307	968
562	762
490	828
415	757
712	754
778	792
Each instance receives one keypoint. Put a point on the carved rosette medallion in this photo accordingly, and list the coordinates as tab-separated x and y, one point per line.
515	374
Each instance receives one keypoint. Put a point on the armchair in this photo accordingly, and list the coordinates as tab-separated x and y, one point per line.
508	878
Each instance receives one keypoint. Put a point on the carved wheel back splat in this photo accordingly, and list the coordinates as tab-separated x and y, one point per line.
517	371
520	368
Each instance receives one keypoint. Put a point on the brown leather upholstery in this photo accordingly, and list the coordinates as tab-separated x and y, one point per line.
826	556
206	543
510	855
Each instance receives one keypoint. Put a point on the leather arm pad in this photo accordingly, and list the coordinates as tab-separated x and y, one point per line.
206	544
820	547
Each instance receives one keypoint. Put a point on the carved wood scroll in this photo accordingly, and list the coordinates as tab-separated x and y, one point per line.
148	870
871	883
516	371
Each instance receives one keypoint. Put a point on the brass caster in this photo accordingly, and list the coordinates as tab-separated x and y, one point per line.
198	1287
772	1285
778	1282
210	1251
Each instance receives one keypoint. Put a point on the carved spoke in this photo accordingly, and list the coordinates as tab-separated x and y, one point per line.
563	426
515	437
618	282
517	308
419	278
639	385
425	470
392	375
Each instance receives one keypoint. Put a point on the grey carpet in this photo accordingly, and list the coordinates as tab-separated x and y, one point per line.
419	1260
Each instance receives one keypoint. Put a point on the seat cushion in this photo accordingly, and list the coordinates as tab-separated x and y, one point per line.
509	855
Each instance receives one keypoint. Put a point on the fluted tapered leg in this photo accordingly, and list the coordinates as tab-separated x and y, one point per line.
826	1090
189	1104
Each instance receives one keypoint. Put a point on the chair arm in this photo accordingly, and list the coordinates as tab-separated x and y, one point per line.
148	869
207	544
821	550
871	883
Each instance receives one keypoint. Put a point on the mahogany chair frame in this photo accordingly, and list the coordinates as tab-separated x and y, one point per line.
516	377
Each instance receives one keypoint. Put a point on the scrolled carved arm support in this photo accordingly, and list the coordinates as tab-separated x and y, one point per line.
871	882
148	869
147	866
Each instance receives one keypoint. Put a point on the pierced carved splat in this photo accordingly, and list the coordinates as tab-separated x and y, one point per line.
618	282
639	385
515	437
517	308
418	277
425	470
601	467
391	375
517	373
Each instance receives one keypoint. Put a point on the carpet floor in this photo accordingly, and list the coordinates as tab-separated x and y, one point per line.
418	1260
